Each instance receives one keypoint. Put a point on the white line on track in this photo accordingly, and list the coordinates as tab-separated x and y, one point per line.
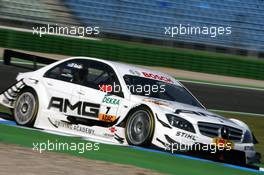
223	85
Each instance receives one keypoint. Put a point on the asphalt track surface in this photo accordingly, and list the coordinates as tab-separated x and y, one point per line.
212	96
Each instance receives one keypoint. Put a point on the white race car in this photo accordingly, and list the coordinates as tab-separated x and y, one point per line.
125	104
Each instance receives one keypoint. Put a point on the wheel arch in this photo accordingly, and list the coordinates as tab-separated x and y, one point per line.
123	122
152	118
28	88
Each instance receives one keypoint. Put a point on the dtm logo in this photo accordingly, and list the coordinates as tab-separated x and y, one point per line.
83	108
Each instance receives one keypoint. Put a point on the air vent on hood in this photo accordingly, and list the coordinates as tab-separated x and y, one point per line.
178	111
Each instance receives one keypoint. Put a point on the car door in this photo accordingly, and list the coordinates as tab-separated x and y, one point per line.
60	83
101	91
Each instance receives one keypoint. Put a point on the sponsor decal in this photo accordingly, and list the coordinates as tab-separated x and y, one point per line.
112	134
107	117
220	142
105	88
74	65
82	108
113	129
78	128
83	129
157	77
107	135
116	88
111	100
185	135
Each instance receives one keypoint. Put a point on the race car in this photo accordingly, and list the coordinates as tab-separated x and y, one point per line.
125	104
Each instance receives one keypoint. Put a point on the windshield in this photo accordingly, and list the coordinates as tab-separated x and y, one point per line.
159	89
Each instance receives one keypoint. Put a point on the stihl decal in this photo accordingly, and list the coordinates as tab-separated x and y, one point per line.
82	108
157	77
185	135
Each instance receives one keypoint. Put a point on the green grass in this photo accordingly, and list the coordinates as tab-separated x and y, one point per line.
256	124
160	162
123	155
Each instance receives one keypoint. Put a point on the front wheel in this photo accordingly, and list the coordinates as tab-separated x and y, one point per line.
140	127
26	108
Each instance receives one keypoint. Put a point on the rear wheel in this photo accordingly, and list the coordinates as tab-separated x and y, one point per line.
26	108
140	127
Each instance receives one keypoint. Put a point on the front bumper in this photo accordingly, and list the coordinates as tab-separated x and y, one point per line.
168	137
233	156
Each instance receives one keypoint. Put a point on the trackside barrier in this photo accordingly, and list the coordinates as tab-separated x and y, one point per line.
135	53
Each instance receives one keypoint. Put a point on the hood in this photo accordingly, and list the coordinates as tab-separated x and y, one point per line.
191	113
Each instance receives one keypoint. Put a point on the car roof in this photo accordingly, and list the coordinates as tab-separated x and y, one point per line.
135	70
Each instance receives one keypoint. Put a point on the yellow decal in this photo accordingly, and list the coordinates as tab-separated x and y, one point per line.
223	143
107	117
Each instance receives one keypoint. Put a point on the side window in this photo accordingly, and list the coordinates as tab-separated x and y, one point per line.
71	71
100	74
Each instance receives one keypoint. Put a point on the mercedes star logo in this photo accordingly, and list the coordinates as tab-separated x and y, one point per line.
224	133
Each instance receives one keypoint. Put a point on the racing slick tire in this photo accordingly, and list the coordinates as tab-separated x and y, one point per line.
26	108
140	127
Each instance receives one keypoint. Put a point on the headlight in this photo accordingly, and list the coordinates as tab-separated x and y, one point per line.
247	137
180	123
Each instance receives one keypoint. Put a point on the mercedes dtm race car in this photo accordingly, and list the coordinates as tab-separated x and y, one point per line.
124	104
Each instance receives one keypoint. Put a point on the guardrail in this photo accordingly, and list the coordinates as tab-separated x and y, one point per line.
136	53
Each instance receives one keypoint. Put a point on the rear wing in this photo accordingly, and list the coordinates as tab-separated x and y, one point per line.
9	54
8	96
